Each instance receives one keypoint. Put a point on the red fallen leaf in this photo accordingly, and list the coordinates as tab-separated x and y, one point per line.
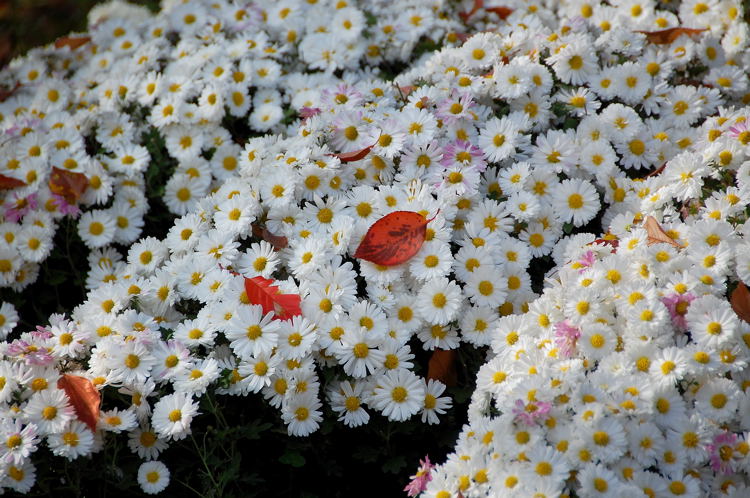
393	239
478	4
656	233
8	182
260	291
68	184
667	36
84	397
72	41
442	366
502	12
348	157
740	301
614	243
277	241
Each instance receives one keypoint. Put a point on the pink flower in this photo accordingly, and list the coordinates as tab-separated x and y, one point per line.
308	112
722	452
587	260
341	95
741	131
736	130
678	304
31	353
64	207
455	108
41	333
532	412
463	153
566	335
20	207
421	478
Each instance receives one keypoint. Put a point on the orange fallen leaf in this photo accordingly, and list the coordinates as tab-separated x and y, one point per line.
667	36
8	183
72	41
740	301
442	366
656	233
84	397
68	184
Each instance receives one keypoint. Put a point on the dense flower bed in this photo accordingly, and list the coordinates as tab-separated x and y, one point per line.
285	133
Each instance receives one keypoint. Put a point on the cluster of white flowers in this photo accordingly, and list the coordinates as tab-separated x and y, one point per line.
91	105
627	377
506	140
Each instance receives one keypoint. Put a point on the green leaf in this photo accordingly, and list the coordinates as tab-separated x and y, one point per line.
293	458
366	454
57	278
394	465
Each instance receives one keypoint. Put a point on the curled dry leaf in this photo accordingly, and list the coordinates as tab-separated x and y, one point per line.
442	366
68	184
740	301
667	36
72	41
656	233
84	397
8	183
394	238
260	291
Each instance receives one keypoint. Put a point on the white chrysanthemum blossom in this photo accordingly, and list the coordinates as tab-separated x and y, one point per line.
153	477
